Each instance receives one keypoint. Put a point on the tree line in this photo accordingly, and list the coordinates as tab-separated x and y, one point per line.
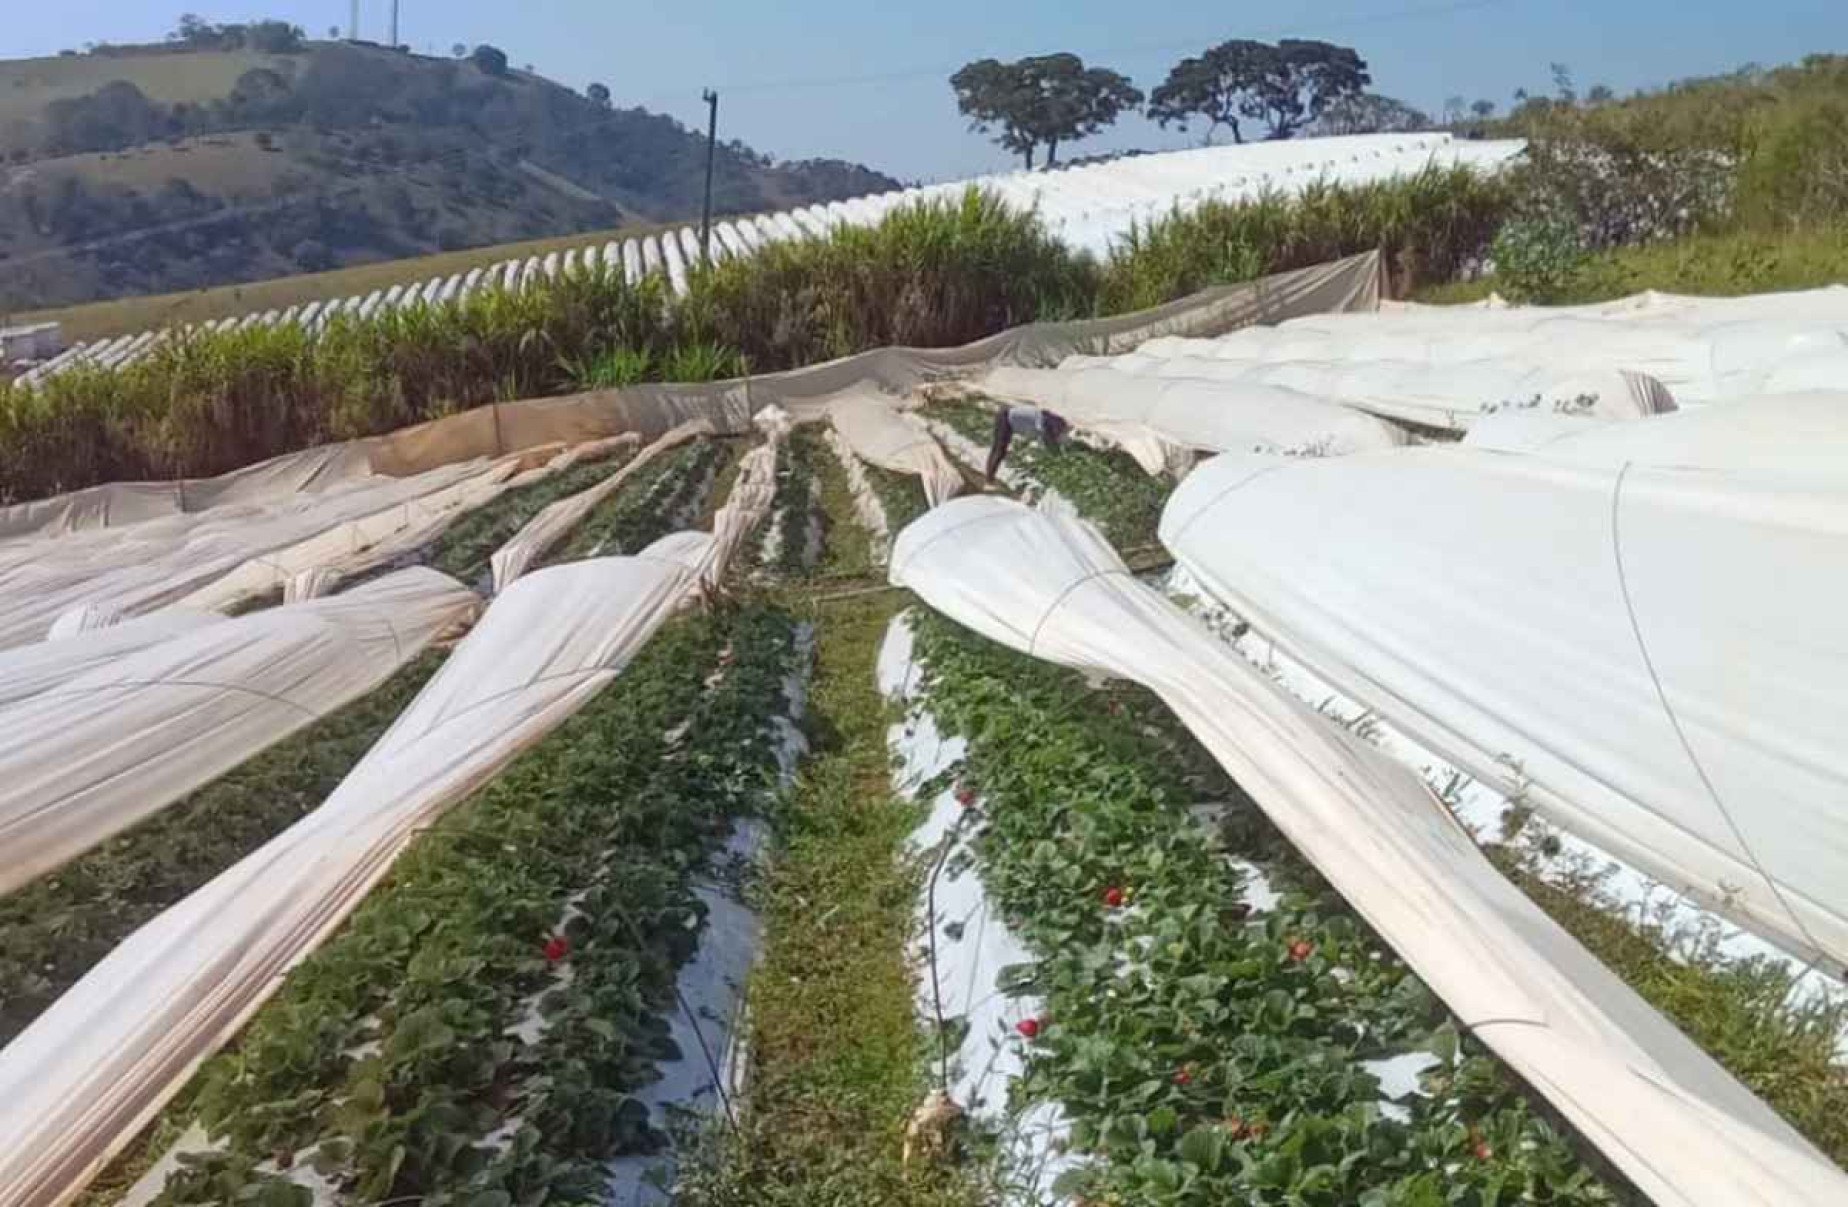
1282	88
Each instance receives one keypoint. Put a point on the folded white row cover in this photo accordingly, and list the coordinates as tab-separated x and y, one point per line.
27	670
1804	432
77	1085
120	503
1699	349
1446	396
560	518
97	751
1655	658
140	567
1664	1112
1145	413
314	566
753	491
880	434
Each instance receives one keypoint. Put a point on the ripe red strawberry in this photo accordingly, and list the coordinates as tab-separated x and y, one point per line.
1183	1076
1113	897
1482	1150
1028	1027
1301	950
557	948
965	796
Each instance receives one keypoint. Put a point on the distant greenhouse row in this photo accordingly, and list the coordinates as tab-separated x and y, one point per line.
1089	207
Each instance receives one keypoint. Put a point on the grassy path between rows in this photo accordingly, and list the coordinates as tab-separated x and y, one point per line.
837	1059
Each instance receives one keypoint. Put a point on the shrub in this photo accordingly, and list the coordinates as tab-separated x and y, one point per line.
1537	259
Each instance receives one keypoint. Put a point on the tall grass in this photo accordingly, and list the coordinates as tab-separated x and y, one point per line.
1431	226
932	274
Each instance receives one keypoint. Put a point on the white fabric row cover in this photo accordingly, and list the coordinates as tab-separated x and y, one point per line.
1804	431
1090	207
316	565
1654	658
96	751
27	670
753	491
1658	1107
313	566
140	567
1700	350
80	1082
1144	414
560	518
881	434
1450	396
118	503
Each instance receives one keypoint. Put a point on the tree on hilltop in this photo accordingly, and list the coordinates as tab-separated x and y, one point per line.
1041	101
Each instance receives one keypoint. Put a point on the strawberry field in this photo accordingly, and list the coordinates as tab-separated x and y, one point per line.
664	496
1205	1049
463	551
1105	485
480	1026
1187	1015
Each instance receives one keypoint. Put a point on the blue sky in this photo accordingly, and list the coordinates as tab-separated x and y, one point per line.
865	80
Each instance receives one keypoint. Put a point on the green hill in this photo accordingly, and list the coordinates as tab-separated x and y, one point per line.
156	169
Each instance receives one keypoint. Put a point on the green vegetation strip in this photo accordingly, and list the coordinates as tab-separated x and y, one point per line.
837	1060
55	929
659	499
1725	265
1105	485
792	509
1740	1010
724	475
1208	1054
900	495
468	545
392	1054
846	545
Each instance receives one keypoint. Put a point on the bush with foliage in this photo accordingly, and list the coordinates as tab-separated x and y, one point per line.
1537	259
1755	150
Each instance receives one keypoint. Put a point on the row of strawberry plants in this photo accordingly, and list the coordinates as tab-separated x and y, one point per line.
55	929
785	543
901	496
665	496
475	1032
1208	1052
465	548
1106	485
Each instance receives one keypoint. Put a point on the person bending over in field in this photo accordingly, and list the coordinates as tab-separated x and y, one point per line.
1023	421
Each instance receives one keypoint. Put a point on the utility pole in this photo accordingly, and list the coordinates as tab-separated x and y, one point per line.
353	27
394	24
712	142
